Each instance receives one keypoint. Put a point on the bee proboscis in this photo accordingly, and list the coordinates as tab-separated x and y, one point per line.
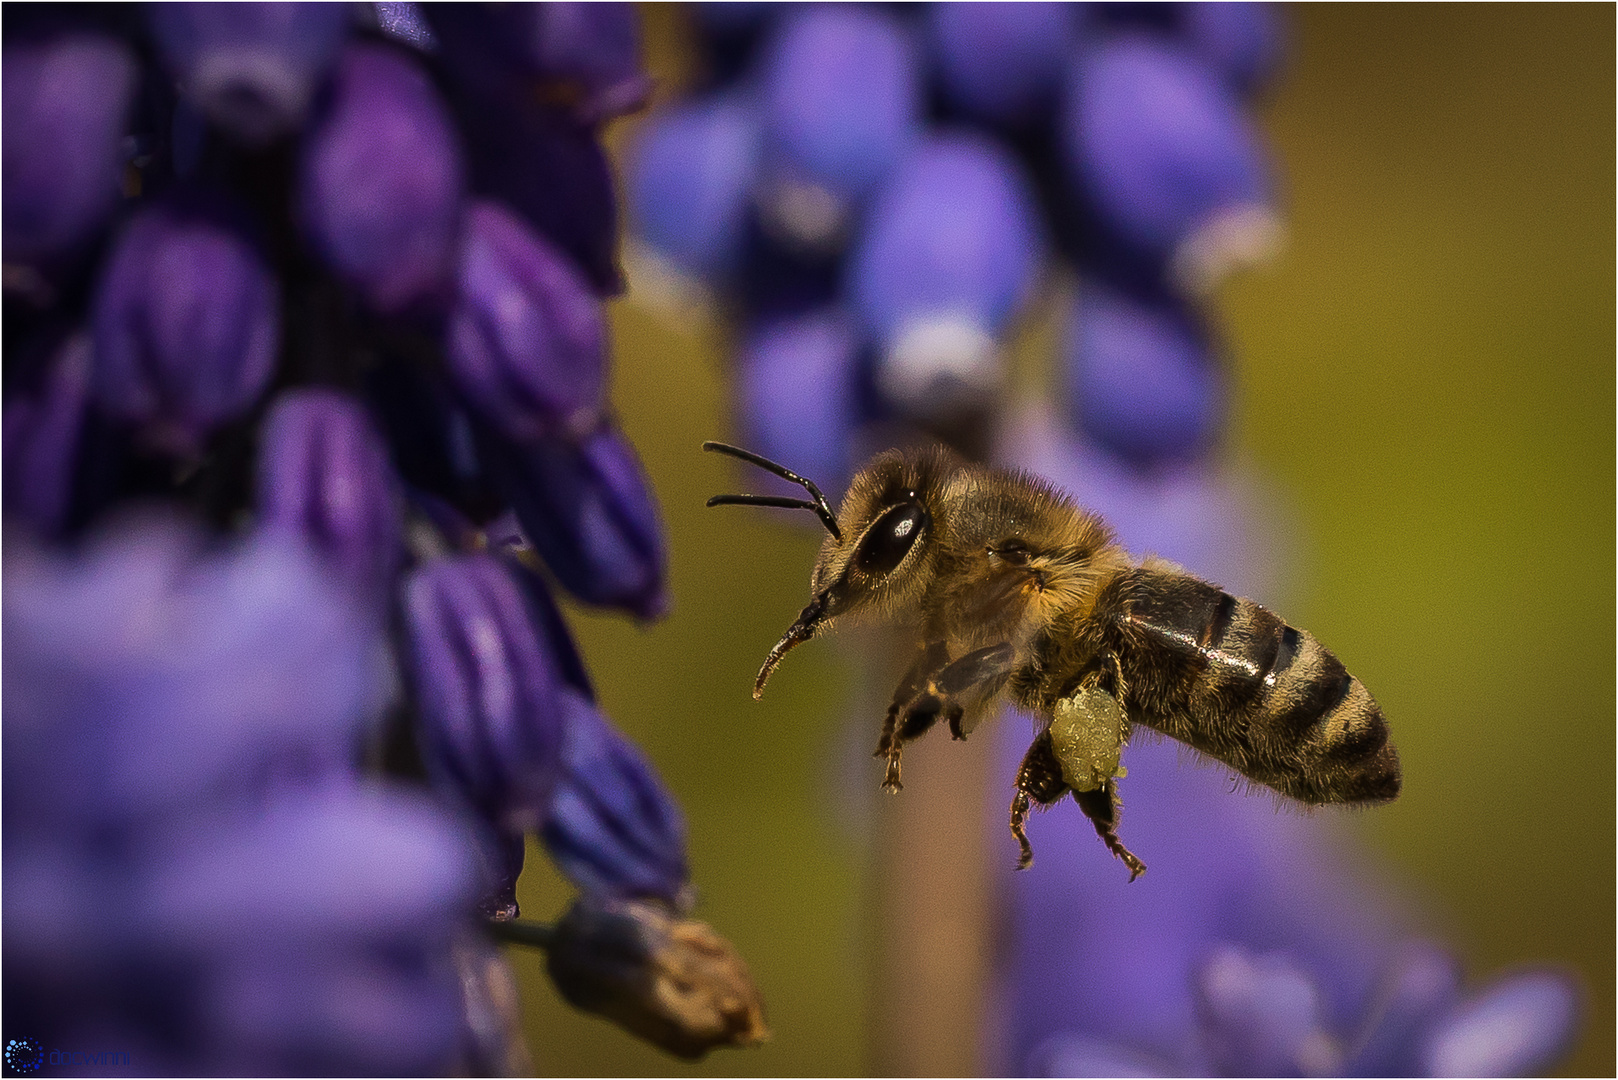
1011	591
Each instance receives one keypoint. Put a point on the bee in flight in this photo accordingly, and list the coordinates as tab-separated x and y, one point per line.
1009	589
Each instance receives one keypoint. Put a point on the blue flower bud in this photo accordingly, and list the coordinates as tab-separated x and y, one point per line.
1157	146
1244	41
380	183
841	101
324	479
250	68
64	106
1518	1027
672	981
487	688
1001	62
526	341
612	827
1142	379
797	384
187	326
42	440
585	506
690	183
950	252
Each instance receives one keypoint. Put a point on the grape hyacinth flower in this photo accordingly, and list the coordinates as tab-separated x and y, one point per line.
527	344
381	183
181	745
66	101
186	326
200	719
251	68
324	478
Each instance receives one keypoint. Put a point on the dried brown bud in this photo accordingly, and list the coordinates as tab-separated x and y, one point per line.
672	981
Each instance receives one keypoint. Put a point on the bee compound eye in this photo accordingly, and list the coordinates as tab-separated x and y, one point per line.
888	541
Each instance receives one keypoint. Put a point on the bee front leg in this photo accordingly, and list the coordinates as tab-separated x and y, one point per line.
932	659
943	692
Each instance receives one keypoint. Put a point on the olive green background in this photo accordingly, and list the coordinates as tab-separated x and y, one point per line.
1428	376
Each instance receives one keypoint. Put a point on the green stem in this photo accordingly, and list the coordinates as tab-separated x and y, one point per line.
536	935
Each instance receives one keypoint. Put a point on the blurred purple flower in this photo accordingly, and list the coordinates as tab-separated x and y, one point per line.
65	101
380	184
797	396
585	506
1259	944
134	657
841	100
324	479
1001	62
42	440
526	343
180	733
187	326
406	22
950	253
1141	375
488	688
251	68
612	827
1159	147
1243	40
690	183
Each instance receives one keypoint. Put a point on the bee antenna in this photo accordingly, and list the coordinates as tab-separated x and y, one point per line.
819	505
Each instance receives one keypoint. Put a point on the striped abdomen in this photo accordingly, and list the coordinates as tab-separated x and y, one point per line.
1228	677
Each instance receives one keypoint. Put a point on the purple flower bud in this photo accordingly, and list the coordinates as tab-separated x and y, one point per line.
797	382
690	183
841	98
950	252
1157	146
324	479
42	440
1001	62
1244	41
1418	985
672	981
540	161
526	342
503	855
487	685
1519	1026
251	68
381	180
187	326
612	827
586	55
1141	375
585	506
64	105
406	22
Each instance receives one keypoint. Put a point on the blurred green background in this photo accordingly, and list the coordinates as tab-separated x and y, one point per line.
1427	374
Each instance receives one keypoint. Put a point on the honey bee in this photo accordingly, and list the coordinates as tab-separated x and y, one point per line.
1010	590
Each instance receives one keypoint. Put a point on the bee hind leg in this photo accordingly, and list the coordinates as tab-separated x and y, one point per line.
1101	807
1039	782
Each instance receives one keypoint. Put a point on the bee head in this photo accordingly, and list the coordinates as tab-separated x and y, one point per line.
875	554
